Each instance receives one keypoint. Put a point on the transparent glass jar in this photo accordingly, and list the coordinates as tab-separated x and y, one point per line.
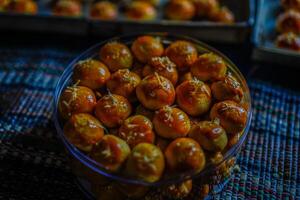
208	182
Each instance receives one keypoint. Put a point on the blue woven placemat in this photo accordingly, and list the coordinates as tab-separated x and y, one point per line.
33	165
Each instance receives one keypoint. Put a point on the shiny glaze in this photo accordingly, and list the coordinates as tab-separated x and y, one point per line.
182	53
146	162
180	10
104	10
146	47
227	89
123	82
155	92
139	10
112	110
162	66
111	152
76	99
209	67
116	56
171	123
232	116
136	129
193	97
90	73
83	131
210	135
184	155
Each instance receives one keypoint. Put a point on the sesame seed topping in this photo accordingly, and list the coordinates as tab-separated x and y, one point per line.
106	152
66	104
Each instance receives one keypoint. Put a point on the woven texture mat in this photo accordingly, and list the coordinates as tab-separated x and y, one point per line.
33	164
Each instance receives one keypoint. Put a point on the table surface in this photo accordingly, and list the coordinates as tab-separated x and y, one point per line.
33	164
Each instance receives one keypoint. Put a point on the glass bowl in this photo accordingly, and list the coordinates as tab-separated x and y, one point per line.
213	175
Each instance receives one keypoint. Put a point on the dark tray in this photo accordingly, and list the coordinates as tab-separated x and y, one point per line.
44	21
265	34
204	30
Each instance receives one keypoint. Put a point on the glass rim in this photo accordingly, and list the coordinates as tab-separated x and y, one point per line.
96	167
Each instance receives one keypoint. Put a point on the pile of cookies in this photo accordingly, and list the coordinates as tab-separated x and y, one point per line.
182	10
151	111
